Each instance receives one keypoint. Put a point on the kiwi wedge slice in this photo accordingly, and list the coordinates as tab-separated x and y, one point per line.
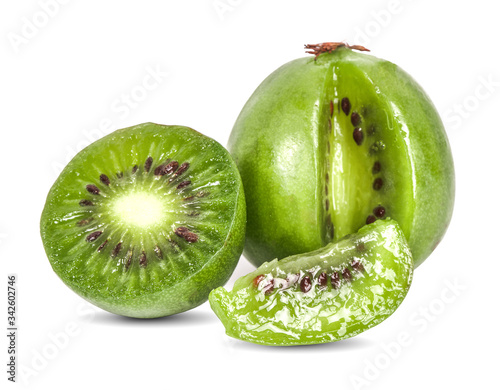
330	294
146	221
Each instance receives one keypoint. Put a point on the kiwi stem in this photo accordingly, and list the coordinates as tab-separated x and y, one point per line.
328	47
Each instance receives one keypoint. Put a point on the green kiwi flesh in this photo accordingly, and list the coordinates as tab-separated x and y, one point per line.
330	294
146	221
326	146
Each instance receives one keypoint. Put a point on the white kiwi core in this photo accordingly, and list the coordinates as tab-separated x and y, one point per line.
139	209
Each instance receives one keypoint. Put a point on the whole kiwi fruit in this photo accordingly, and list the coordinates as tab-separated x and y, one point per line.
327	144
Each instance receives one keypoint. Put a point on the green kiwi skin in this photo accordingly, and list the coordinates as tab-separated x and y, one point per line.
278	145
165	294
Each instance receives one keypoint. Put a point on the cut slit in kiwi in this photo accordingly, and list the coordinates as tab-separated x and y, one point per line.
360	176
330	294
146	221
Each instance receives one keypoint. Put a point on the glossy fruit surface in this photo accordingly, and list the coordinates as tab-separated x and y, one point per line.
326	146
146	221
326	295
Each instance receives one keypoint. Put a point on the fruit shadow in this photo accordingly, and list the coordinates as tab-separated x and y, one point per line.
188	318
355	343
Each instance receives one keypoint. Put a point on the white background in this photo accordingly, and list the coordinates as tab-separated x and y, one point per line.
64	72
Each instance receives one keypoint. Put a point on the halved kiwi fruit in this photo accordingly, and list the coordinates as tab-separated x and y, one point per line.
146	221
326	295
326	145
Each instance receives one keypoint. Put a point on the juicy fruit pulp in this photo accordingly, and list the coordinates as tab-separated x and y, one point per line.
146	221
326	295
327	146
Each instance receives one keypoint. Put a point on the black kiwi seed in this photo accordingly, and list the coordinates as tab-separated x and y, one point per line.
355	119
104	179
158	252
171	167
85	202
134	169
376	167
184	167
148	163
93	236
184	232
377	184
257	280
158	170
84	222
379	212
116	249
331	107
356	265
322	279
305	284
370	219
92	189
183	184
269	288
335	280
346	106
327	204
128	259
143	260
358	136
102	246
346	274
